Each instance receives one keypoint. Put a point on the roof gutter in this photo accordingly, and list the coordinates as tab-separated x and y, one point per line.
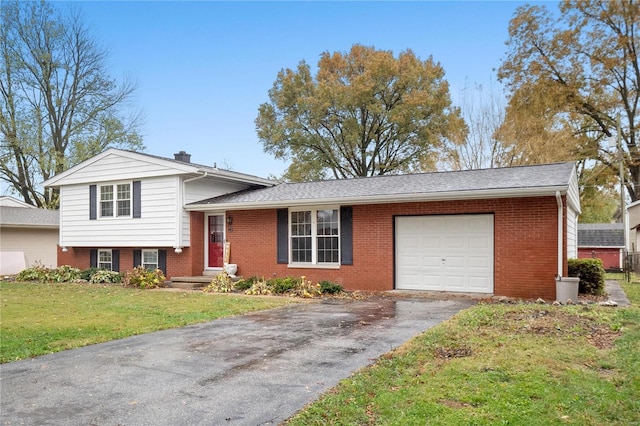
384	199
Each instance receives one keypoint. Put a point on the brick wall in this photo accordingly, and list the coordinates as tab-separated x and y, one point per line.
525	244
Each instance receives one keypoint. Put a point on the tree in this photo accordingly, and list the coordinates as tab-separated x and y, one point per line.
59	107
364	113
570	76
483	111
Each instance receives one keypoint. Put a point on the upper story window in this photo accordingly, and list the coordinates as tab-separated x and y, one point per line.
315	236
115	200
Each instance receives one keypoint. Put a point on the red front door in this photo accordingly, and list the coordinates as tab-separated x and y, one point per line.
216	241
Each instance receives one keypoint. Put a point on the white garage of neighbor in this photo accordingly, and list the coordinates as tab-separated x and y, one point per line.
445	253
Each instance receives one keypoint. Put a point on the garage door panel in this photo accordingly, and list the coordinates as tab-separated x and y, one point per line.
455	253
454	242
482	242
479	262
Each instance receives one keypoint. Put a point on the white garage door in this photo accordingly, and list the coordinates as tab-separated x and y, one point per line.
445	253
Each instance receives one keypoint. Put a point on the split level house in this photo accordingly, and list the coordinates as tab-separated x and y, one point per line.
506	231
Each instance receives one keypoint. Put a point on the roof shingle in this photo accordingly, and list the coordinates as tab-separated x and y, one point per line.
525	177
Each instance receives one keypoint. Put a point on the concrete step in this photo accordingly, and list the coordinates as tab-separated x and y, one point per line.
189	283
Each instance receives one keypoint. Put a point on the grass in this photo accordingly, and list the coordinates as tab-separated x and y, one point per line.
501	364
37	319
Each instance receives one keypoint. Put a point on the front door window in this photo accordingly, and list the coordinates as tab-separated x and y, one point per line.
216	241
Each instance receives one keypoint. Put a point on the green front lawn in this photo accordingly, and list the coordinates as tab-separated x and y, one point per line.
522	364
37	319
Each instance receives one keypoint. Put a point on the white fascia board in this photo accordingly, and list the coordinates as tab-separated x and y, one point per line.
179	168
239	177
388	199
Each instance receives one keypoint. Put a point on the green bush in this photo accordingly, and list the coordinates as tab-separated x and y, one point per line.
140	277
245	284
591	274
64	274
103	276
35	273
86	274
283	285
40	273
328	287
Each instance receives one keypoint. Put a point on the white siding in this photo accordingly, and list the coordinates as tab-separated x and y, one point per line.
156	228
572	233
201	189
114	167
38	245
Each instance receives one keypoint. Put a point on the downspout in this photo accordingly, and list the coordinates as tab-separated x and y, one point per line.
178	248
560	228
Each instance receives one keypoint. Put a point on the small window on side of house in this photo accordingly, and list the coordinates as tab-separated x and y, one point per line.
150	259
105	259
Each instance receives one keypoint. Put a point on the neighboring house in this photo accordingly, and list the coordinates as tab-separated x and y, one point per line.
497	231
28	236
633	215
604	241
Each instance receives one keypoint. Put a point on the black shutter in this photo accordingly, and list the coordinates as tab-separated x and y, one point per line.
93	202
93	258
346	235
162	261
115	260
136	199
283	236
137	258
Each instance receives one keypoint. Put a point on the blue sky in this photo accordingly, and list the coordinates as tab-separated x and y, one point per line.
203	68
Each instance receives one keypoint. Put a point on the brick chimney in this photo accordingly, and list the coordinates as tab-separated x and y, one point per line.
182	156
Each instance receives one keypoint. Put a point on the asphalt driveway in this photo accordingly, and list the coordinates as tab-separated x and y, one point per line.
255	369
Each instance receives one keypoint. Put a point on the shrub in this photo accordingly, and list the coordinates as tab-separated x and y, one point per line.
86	274
43	274
259	287
140	277
283	285
327	287
591	274
306	289
37	272
64	274
221	283
103	276
244	284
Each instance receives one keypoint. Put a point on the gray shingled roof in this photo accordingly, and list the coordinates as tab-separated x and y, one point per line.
20	216
600	235
426	184
203	167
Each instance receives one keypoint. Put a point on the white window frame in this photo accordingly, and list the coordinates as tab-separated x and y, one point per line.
114	201
314	239
144	264
98	262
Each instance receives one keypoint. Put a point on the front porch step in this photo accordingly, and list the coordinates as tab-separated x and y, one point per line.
190	283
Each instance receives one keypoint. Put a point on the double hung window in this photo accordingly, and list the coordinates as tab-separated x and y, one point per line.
105	260
315	236
115	200
150	259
